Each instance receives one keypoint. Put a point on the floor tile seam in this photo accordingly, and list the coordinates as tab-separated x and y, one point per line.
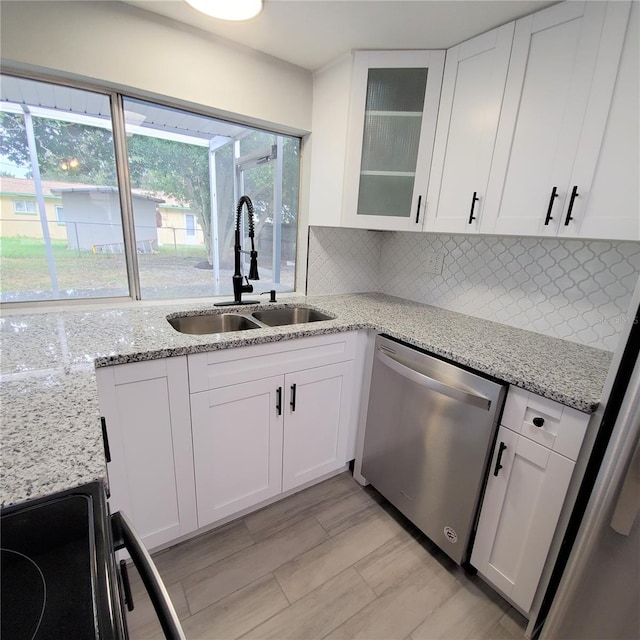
251	546
207	566
370	507
365	604
313	510
444	602
329	536
355	568
309	594
309	518
282	589
248	530
245	586
271	570
335	541
220	559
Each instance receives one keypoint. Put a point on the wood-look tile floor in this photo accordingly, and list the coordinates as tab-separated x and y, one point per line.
333	561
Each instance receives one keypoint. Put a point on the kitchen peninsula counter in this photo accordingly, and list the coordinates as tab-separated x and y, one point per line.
50	420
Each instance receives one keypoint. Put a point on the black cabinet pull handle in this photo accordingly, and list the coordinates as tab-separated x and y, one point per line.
126	586
105	439
293	397
418	209
473	205
501	450
554	195
538	422
574	195
279	401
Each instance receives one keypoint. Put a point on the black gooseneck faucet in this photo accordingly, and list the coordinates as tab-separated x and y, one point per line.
238	287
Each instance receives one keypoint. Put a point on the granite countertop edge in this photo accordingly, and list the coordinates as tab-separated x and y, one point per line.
586	401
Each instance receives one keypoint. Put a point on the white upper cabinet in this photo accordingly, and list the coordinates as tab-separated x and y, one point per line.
561	79
611	208
393	113
475	74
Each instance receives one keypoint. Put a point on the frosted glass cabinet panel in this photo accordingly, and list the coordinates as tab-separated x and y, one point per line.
392	125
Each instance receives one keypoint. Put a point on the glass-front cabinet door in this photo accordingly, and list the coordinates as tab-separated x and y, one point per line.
393	113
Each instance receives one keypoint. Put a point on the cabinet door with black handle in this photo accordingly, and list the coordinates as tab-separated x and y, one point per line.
237	446
474	77
561	78
317	413
525	491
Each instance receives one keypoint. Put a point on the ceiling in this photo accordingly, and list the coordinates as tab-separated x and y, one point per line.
312	33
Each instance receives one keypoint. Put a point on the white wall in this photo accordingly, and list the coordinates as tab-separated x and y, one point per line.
122	46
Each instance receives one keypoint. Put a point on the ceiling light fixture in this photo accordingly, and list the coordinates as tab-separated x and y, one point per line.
228	9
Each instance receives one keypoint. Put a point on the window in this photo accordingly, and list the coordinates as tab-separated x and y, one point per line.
25	206
187	172
190	225
198	167
39	258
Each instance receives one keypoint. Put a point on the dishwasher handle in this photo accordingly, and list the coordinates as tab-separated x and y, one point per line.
435	385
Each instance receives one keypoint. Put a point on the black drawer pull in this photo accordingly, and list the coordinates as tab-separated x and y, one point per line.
279	401
538	422
418	209
105	439
554	195
501	450
293	397
126	587
574	195
473	206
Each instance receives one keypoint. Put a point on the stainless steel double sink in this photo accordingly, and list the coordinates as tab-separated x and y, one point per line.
215	322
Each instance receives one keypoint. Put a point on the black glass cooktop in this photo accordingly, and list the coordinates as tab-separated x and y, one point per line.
55	569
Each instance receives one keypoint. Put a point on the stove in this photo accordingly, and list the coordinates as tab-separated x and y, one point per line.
58	575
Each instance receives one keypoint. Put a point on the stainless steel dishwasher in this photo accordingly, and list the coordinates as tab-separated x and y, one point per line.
430	428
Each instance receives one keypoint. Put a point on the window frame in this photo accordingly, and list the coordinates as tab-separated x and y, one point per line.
116	98
26	212
59	211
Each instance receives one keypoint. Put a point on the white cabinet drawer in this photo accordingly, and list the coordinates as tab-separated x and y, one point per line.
238	365
545	421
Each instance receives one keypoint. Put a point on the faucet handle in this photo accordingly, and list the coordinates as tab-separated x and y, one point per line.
247	288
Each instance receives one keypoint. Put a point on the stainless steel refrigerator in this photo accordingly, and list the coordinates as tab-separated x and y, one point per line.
598	586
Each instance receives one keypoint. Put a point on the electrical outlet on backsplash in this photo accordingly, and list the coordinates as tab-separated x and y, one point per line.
577	290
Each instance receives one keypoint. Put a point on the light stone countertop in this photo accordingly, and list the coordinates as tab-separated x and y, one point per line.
49	415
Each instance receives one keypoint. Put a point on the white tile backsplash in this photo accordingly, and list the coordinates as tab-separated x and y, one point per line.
343	260
572	289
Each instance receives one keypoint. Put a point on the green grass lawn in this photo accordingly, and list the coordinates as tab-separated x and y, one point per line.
24	266
170	272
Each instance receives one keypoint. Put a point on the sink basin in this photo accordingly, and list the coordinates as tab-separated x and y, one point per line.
289	315
212	323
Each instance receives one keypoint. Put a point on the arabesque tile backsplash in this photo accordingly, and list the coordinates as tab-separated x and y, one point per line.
577	290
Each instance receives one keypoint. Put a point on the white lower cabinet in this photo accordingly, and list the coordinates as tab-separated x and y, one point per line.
255	440
196	439
519	515
146	410
525	492
268	419
237	447
317	422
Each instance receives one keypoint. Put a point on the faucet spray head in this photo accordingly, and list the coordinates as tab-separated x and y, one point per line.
253	266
